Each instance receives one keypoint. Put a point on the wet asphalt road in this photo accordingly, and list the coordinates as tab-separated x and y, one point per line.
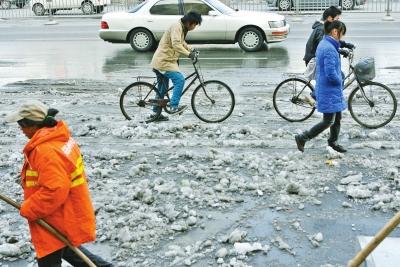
72	50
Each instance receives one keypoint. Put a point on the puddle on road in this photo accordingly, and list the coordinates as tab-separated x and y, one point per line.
210	58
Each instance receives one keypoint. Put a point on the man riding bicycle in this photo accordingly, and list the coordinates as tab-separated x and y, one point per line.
165	60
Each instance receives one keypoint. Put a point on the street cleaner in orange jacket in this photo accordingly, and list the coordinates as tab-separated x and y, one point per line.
55	187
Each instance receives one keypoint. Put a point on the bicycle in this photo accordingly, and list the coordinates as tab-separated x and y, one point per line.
371	104
212	101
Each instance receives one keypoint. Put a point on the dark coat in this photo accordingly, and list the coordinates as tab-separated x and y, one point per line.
329	81
313	41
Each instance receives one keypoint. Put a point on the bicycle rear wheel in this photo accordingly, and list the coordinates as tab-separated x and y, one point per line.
138	102
292	100
374	106
213	101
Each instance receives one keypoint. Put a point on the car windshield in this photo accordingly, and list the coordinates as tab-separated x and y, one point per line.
137	7
221	7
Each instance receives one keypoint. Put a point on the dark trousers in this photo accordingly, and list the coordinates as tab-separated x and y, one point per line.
330	120
54	259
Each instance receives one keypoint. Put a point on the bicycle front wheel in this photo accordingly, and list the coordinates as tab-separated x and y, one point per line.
372	106
293	101
138	102
213	101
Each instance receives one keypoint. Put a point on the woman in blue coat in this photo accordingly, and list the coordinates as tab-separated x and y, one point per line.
329	87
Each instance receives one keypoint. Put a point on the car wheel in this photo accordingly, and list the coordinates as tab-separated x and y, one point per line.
348	4
250	39
98	9
284	5
38	9
141	40
6	4
87	8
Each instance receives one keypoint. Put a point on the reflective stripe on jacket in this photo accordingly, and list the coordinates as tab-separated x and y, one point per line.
56	190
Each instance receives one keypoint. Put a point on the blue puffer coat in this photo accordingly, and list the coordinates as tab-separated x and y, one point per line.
329	82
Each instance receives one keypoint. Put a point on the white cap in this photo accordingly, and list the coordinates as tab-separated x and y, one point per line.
32	110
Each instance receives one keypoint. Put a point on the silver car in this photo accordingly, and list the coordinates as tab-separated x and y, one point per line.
145	24
285	5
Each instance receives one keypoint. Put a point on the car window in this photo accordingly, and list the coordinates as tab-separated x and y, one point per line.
221	7
196	5
137	7
165	7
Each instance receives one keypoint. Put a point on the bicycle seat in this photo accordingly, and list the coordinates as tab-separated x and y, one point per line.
158	73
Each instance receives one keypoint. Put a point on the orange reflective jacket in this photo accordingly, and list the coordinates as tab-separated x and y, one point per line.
56	190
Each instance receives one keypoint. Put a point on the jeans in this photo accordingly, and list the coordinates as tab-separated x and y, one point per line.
330	120
54	259
178	80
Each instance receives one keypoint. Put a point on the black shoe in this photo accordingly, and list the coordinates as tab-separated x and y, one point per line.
178	110
337	147
300	142
159	118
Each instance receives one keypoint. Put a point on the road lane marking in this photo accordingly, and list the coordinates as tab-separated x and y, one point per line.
231	58
352	36
55	40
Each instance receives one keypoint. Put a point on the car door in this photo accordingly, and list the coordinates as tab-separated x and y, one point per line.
317	4
212	28
163	14
54	4
60	4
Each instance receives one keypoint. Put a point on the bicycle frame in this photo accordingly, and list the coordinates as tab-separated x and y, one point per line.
349	78
194	74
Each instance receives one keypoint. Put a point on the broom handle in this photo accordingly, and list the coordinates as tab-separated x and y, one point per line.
382	234
54	231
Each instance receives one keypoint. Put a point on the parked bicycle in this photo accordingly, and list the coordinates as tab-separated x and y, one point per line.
371	104
212	101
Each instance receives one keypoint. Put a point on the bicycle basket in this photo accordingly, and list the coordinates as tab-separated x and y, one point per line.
365	69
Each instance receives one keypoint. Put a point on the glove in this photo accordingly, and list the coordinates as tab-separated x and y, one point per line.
348	45
344	52
193	54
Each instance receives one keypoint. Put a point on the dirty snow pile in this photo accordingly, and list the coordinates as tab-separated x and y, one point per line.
180	193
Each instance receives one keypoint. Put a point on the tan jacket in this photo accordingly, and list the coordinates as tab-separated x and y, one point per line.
172	44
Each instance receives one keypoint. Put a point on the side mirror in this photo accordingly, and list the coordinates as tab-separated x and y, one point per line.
213	13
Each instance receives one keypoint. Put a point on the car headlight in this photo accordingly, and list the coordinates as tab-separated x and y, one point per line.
277	24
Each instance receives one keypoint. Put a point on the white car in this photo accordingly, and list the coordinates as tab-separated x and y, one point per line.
40	7
144	25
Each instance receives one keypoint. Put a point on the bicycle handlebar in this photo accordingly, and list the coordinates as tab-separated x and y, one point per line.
350	53
196	57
